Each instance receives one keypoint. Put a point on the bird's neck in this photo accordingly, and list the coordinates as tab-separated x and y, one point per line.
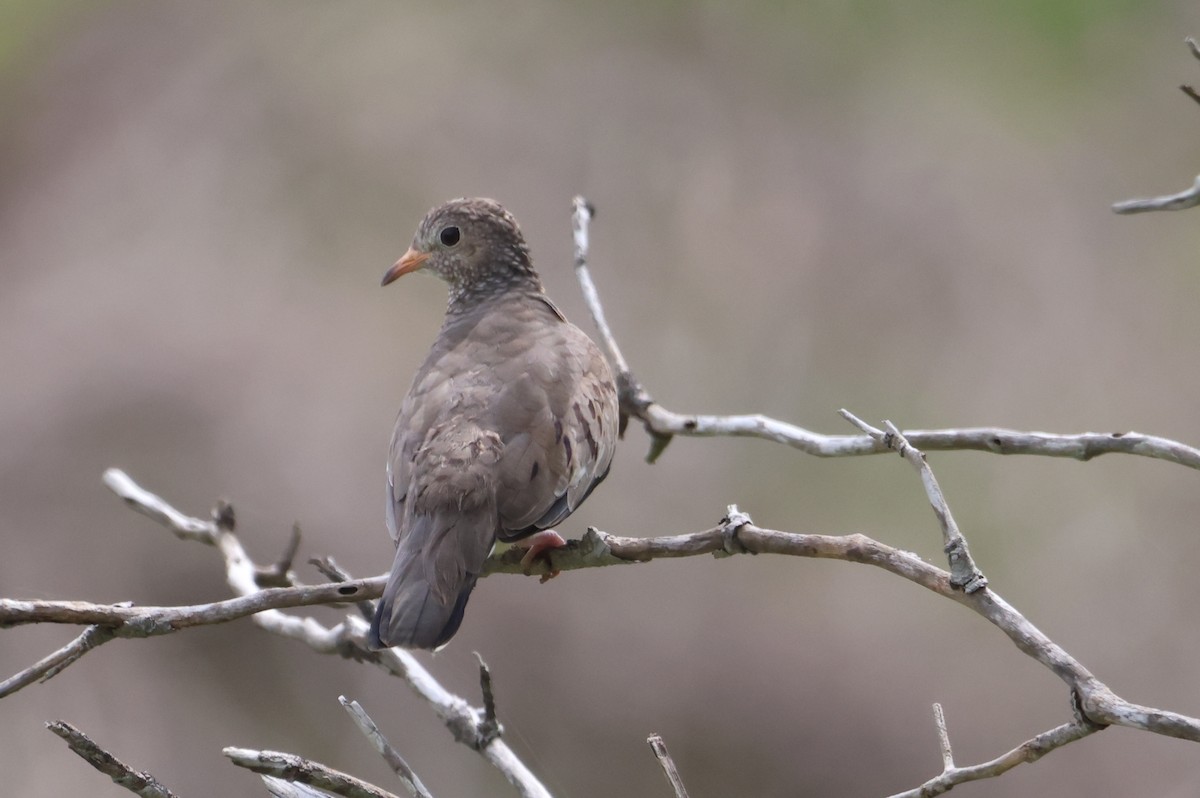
468	295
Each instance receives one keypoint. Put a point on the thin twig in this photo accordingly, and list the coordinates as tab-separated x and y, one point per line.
51	665
291	767
939	720
489	727
963	571
1183	200
668	765
279	573
1029	751
137	782
290	789
380	743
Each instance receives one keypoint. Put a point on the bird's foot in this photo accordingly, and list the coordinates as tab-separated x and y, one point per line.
538	545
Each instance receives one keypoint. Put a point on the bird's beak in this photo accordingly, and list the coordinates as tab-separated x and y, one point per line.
409	262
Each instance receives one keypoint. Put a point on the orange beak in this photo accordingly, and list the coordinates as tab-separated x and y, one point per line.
409	262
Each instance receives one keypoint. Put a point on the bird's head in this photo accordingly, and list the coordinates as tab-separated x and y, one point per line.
474	245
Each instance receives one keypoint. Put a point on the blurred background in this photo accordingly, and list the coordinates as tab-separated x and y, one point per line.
897	208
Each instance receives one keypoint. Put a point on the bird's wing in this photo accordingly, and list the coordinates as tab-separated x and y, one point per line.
561	410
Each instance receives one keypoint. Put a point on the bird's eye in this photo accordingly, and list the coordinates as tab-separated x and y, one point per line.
449	236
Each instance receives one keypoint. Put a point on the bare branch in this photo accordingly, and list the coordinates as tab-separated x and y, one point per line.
1097	702
663	424
963	571
50	666
668	765
137	782
1028	751
348	639
390	755
290	767
150	621
142	501
290	789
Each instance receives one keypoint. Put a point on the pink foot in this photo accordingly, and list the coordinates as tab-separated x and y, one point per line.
538	544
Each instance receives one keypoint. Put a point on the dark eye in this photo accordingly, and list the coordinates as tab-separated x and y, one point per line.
449	236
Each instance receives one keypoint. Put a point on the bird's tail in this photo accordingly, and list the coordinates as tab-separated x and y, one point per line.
410	617
437	563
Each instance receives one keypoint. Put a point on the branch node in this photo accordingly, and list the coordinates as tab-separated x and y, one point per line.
223	516
279	573
1080	713
733	521
964	574
594	548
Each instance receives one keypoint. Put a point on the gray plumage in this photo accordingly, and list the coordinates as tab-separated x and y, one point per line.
509	424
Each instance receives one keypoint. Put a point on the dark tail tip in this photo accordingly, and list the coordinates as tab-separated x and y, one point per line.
373	640
423	624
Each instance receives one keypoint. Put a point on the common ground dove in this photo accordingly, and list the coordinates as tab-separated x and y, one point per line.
508	426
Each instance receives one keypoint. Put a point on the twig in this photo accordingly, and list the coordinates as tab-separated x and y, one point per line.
489	727
1029	751
137	782
1170	202
1189	198
150	621
662	424
290	767
964	573
582	216
939	720
279	573
290	789
390	755
668	765
50	666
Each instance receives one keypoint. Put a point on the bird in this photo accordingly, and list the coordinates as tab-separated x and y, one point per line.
509	424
